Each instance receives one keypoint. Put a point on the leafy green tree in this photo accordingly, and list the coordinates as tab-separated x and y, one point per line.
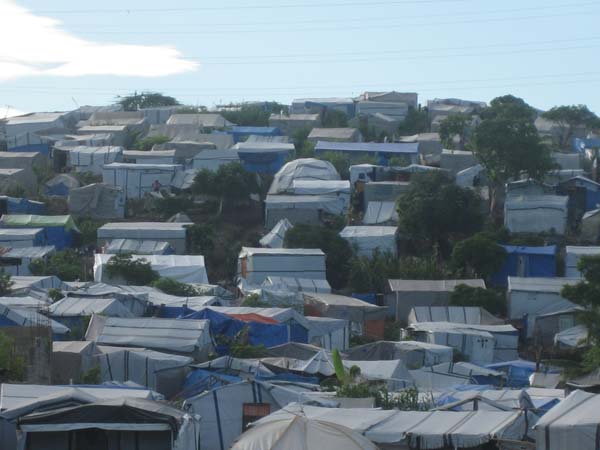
66	265
254	301
229	183
6	283
147	143
337	250
256	115
137	272
334	119
416	121
451	126
487	299
12	365
507	143
135	101
435	209
201	238
88	231
569	118
342	161
174	287
478	255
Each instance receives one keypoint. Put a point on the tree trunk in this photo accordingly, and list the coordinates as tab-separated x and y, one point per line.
497	196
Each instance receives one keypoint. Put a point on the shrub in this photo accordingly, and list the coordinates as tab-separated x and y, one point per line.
174	287
137	272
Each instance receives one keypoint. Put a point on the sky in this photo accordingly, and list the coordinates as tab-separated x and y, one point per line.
61	54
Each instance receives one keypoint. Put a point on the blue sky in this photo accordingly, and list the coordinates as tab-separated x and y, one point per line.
544	51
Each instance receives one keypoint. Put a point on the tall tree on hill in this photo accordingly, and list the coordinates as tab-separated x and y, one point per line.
568	118
507	144
135	101
451	126
416	121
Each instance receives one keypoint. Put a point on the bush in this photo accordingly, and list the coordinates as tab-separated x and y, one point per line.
89	231
254	301
6	283
478	255
12	365
174	287
147	143
201	238
487	299
137	272
66	265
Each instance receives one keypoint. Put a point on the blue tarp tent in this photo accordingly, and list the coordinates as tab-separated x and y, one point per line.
44	149
200	380
267	334
58	230
241	133
526	262
263	162
383	151
584	194
174	312
517	371
12	205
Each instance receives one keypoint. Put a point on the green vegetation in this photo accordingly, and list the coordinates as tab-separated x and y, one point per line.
12	365
478	256
92	376
256	115
169	206
146	144
201	238
451	126
137	272
569	118
304	148
66	265
488	299
135	101
417	121
88	231
6	283
337	250
174	287
342	161
254	301
334	119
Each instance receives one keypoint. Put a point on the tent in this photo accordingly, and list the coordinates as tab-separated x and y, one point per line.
21	237
329	333
265	157
139	247
59	231
25	317
526	262
304	209
79	307
275	237
89	159
447	375
297	284
149	157
320	187
573	423
473	315
457	160
70	360
173	233
160	372
97	201
300	432
26	283
368	239
381	213
136	180
519	371
133	422
213	159
61	185
383	151
572	338
240	133
186	337
573	255
415	354
302	169
536	214
183	268
16	261
12	205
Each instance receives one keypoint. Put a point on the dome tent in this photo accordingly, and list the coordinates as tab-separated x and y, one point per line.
301	433
302	169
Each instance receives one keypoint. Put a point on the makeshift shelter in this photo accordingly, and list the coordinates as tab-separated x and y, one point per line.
300	432
384	191
367	319
12	205
381	213
97	201
457	160
547	326
382	151
160	372
173	233
449	375
86	159
151	157
473	315
256	264
536	214
573	255
70	360
526	262
61	185
26	317
538	400
183	268
73	311
369	239
17	179
184	151
415	354
572	338
335	135
297	284
213	159
59	231
403	295
206	121
16	261
573	423
137	180
264	158
590	226
302	169
329	333
134	423
289	124
26	283
518	372
138	247
275	237
185	337
303	209
584	194
529	298
22	160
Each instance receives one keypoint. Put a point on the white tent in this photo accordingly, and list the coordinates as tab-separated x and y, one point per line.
16	261
380	213
415	354
183	268
393	372
329	333
91	159
275	237
25	317
572	424
536	213
368	239
86	306
302	169
190	337
136	180
139	247
446	375
304	209
572	338
97	201
21	237
301	433
297	284
149	157
473	315
173	233
320	187
213	159
573	255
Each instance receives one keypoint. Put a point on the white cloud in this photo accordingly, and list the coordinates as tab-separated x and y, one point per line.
36	45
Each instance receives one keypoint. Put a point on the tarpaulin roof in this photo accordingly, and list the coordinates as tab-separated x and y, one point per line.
33	221
275	237
25	317
86	306
139	247
306	169
367	147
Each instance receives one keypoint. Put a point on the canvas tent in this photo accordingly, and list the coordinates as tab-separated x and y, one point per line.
70	307
302	209
415	354
524	261
186	337
16	261
213	159
26	317
183	268
88	159
59	231
329	333
368	239
21	237
473	315
275	237
297	284
536	214
138	247
173	233
70	360
97	201
136	180
380	213
135	423
302	169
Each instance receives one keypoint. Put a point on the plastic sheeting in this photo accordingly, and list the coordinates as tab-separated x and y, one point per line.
275	237
456	314
536	214
572	338
573	255
381	213
302	169
91	159
58	230
297	284
98	201
368	239
86	306
446	375
137	180
61	185
329	333
24	237
139	247
23	317
526	262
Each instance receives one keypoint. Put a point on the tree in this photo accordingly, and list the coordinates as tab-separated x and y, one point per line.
342	161
451	126
334	119
135	101
174	287
147	143
304	148
137	272
487	299
507	144
568	118
434	208
66	265
338	252
200	238
478	255
12	365
253	114
6	283
416	121
229	183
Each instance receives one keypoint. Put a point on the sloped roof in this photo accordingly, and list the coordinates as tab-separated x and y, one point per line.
432	285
